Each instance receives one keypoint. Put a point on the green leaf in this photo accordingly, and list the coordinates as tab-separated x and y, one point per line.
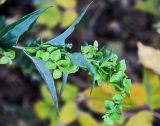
10	35
4	60
57	74
121	66
79	60
117	77
60	40
50	65
47	76
55	55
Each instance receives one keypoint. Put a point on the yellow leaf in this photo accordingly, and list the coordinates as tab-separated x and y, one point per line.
68	17
149	6
67	3
138	95
86	119
46	95
42	110
149	57
143	118
68	113
152	85
95	101
70	92
46	34
51	17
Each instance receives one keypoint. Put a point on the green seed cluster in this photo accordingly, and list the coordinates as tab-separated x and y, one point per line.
113	109
56	59
6	56
109	69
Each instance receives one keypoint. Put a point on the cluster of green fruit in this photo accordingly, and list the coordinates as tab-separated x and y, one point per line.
106	65
57	59
6	56
113	109
112	71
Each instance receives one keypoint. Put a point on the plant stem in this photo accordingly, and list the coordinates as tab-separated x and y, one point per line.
18	47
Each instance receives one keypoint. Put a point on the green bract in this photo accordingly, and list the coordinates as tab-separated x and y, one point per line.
57	74
109	69
50	65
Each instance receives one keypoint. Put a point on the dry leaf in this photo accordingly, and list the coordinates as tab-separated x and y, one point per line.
149	57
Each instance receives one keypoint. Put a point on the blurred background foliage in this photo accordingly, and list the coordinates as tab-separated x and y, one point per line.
131	28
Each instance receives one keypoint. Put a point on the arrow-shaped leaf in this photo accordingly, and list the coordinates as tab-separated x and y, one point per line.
10	35
65	77
47	76
60	40
79	60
